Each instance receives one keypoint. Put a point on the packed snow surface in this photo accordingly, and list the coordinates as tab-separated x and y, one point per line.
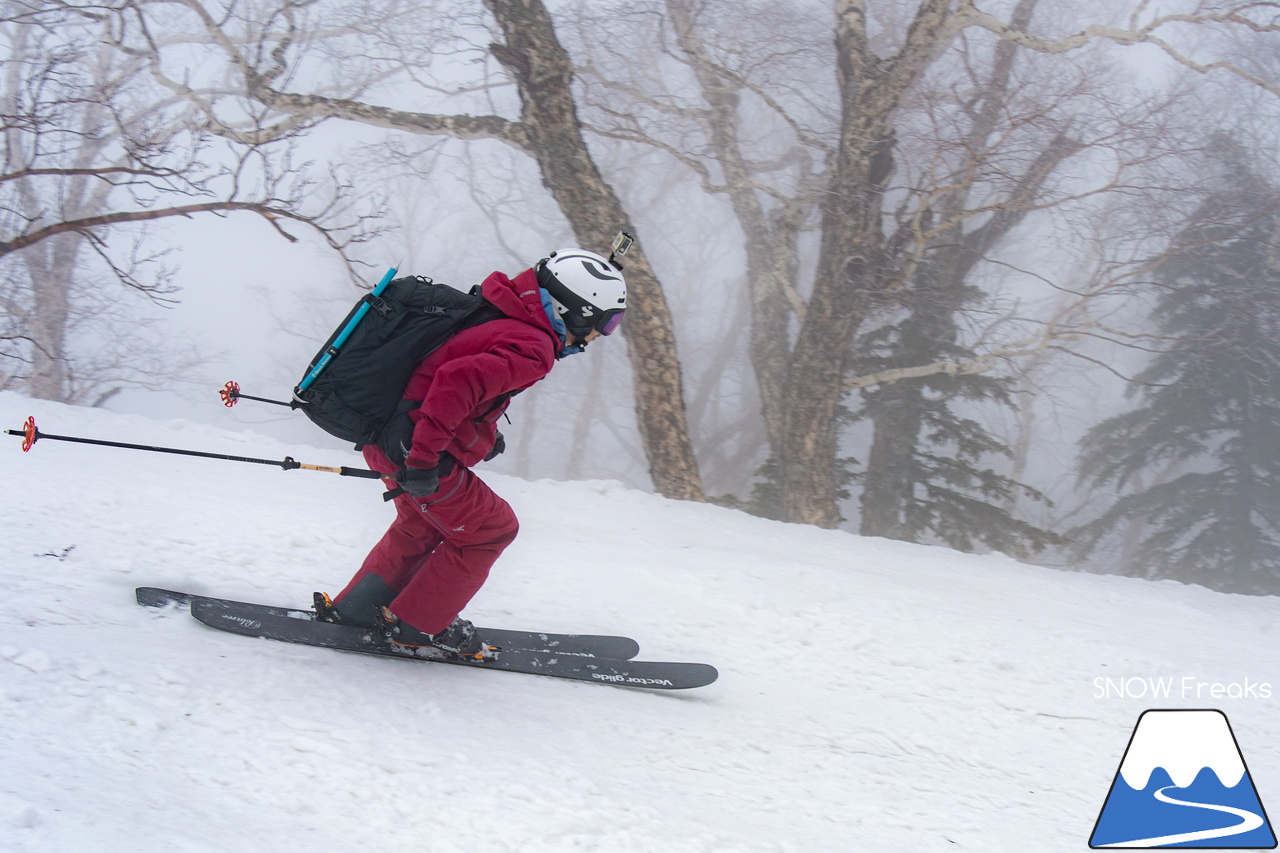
873	695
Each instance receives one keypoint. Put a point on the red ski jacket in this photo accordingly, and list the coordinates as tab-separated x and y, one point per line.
464	384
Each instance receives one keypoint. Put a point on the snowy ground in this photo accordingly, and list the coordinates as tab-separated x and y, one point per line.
874	695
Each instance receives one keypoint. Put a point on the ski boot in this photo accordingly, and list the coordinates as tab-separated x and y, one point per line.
459	640
327	612
359	606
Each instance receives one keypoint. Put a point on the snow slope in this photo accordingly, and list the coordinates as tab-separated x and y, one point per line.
874	695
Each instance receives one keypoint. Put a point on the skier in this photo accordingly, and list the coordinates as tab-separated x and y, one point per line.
450	527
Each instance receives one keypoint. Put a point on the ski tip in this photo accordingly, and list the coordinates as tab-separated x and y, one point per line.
707	674
668	675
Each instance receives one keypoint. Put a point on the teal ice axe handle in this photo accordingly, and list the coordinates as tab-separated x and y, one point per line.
344	334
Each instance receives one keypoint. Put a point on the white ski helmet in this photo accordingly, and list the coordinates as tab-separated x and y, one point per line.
587	290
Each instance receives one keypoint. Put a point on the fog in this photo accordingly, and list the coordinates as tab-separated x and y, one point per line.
1025	184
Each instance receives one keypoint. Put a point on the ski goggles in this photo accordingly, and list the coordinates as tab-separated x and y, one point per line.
609	321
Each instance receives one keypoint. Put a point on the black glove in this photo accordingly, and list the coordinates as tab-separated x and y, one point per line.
419	482
499	446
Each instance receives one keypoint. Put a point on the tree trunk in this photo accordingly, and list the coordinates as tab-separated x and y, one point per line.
50	268
853	271
888	478
544	74
848	268
770	245
897	410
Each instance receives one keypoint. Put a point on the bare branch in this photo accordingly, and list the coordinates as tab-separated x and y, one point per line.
309	108
968	14
85	224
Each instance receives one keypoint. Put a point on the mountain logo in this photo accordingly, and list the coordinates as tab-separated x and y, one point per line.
1183	783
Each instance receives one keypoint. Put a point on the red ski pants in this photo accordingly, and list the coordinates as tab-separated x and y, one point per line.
437	553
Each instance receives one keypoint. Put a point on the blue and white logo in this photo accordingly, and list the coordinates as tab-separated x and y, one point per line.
1183	783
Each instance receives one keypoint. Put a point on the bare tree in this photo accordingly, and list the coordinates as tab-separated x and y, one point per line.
271	47
721	90
89	153
907	181
861	263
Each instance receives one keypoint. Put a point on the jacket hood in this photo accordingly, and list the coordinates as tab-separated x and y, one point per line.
519	299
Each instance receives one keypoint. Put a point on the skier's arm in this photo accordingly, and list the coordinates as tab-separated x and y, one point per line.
463	385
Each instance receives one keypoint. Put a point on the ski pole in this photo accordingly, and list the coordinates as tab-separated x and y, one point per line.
30	435
231	395
344	334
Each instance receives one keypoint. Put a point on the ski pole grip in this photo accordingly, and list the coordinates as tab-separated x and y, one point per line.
393	494
361	472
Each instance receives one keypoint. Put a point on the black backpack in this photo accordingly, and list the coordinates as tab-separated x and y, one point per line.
358	394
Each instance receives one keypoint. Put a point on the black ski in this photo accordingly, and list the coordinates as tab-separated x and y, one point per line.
254	621
617	648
